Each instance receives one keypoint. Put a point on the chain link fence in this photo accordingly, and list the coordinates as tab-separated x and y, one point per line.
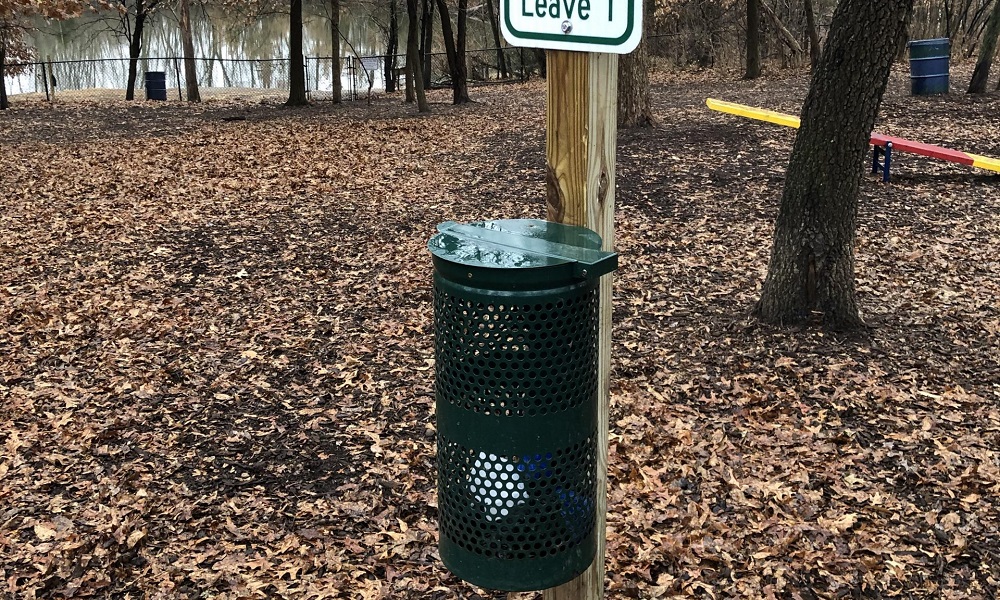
252	79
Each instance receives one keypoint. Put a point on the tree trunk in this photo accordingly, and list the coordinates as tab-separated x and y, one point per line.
4	103
296	61
413	78
455	50
785	35
753	40
634	109
813	32
460	84
190	72
134	48
337	67
542	59
811	270
494	18
981	75
426	38
392	46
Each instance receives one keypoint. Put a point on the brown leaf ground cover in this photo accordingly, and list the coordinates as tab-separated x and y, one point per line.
216	362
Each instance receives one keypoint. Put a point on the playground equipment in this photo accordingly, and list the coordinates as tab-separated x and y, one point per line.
882	145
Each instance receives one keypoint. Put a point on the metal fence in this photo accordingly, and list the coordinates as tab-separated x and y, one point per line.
249	79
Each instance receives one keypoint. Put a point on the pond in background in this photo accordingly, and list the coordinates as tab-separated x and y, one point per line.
231	50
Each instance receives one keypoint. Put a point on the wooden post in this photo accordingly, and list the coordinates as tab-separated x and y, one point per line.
581	136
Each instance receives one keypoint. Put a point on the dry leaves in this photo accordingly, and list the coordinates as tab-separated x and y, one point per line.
217	363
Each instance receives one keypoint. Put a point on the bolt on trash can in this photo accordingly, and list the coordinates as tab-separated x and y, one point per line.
516	337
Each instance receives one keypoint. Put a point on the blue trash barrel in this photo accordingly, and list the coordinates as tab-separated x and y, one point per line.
156	85
929	66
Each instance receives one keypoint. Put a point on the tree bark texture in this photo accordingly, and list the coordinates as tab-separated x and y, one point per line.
338	85
413	76
296	65
190	71
988	48
811	270
813	32
753	40
634	108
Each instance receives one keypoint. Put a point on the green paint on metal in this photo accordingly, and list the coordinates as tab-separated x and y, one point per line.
516	400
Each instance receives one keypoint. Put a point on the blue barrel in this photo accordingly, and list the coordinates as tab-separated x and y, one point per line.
156	85
929	66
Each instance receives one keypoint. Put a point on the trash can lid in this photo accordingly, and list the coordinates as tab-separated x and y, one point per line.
522	244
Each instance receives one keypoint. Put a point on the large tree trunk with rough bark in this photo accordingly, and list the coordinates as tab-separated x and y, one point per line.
414	77
296	64
753	40
981	75
190	71
634	109
811	271
338	85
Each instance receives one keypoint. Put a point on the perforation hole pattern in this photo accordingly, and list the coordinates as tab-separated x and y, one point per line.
517	507
517	359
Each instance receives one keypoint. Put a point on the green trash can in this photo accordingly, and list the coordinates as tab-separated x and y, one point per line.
516	330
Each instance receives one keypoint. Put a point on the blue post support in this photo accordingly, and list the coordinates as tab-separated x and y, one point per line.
878	152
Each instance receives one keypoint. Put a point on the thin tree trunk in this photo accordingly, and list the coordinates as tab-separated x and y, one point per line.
337	67
813	32
461	85
392	46
134	48
426	38
785	35
4	103
190	71
753	40
413	78
981	75
455	50
296	61
811	270
494	25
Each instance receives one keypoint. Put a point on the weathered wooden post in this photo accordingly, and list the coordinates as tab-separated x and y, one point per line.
584	39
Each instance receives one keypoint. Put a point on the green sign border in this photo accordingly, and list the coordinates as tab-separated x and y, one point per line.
573	39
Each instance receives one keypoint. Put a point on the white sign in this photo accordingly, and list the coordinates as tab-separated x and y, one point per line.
613	26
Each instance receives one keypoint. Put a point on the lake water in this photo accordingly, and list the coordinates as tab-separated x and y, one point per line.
233	51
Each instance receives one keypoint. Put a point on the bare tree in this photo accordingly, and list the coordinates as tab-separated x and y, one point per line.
190	72
981	75
811	271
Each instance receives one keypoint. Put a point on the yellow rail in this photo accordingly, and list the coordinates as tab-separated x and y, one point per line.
753	113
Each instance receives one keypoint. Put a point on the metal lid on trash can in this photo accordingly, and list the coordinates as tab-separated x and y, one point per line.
488	249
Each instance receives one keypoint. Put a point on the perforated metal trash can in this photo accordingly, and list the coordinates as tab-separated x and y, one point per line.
516	326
